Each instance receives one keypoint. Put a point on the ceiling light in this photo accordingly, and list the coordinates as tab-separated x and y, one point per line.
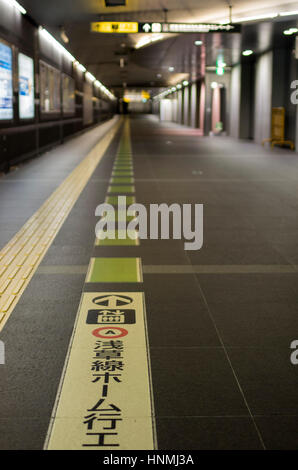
179	86
256	18
56	43
289	32
247	53
90	76
77	64
18	6
198	43
214	85
64	36
146	40
185	83
171	69
288	13
80	66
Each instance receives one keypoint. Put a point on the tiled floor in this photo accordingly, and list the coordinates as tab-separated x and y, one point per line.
220	341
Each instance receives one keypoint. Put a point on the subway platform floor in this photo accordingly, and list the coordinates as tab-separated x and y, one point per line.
200	358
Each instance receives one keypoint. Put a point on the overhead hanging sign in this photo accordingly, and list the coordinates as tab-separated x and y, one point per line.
115	27
133	27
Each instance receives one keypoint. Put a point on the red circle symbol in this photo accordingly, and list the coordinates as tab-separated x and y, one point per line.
99	332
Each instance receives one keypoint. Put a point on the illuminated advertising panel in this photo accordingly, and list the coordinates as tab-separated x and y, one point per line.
68	94
26	87
6	90
50	89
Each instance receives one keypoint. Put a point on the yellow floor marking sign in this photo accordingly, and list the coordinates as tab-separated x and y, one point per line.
20	258
104	400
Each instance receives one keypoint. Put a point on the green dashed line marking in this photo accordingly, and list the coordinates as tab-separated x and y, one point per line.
125	168
120	164
113	200
114	270
123	214
121	189
124	241
122	173
138	426
123	164
121	180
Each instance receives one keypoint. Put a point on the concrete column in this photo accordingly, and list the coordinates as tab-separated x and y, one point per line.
296	136
285	70
246	124
257	85
194	105
202	106
180	107
235	101
186	106
216	108
225	117
263	97
166	110
174	107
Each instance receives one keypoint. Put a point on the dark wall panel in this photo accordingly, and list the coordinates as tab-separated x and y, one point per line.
21	139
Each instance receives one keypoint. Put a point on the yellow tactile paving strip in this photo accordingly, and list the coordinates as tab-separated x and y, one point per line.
20	258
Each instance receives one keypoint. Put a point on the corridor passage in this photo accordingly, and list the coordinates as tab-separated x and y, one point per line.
141	344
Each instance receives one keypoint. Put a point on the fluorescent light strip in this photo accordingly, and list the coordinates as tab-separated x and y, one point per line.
173	89
288	13
18	6
104	89
81	67
261	17
90	77
148	40
57	44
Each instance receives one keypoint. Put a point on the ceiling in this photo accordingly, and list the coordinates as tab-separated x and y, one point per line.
55	12
149	66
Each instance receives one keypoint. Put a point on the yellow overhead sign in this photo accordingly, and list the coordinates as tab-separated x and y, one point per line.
146	95
115	27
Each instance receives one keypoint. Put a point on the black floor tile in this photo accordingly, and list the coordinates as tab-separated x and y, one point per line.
187	433
194	382
268	379
279	432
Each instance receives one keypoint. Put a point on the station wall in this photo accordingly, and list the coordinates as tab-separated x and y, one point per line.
63	101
